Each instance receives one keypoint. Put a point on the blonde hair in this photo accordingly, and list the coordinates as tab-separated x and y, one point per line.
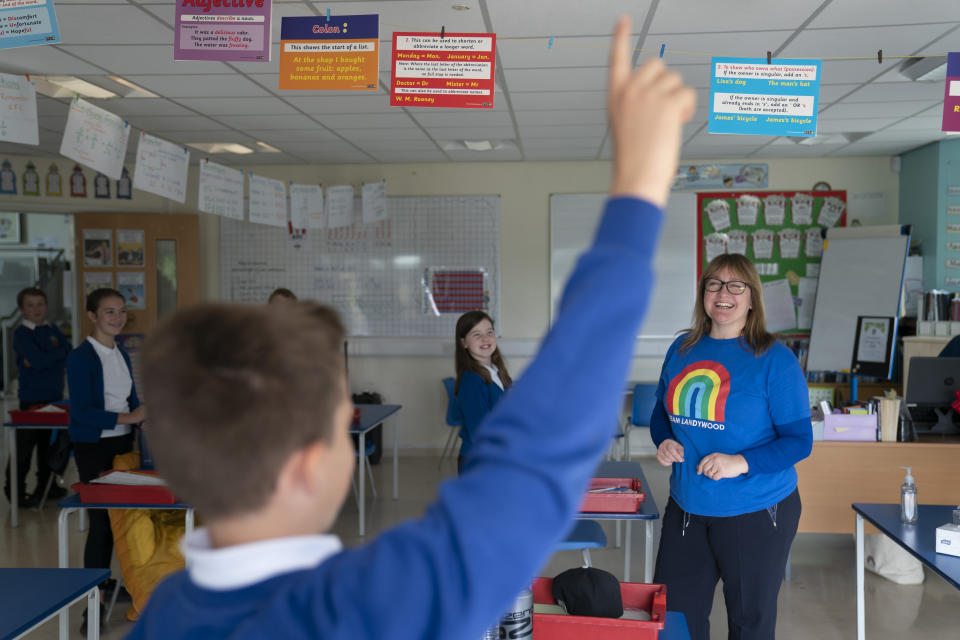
755	333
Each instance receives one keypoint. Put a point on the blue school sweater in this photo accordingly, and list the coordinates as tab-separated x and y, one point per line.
453	571
720	397
475	398
85	378
46	350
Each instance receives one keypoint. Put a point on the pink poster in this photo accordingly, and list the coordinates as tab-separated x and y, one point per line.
225	30
951	94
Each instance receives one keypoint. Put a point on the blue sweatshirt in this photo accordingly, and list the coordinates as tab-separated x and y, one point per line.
475	398
720	397
41	354
450	573
85	379
952	350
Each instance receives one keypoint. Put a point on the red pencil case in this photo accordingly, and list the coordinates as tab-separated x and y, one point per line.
623	495
41	417
97	493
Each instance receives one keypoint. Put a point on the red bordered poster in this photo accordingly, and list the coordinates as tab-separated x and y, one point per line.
455	71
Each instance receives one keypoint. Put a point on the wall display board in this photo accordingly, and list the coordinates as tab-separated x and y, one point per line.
573	221
782	233
377	275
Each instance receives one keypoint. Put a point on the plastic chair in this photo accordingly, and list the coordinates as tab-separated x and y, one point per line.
644	401
585	535
454	419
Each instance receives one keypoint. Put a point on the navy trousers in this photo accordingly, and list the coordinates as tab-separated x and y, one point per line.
748	552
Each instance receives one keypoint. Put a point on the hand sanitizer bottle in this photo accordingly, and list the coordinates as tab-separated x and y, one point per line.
908	499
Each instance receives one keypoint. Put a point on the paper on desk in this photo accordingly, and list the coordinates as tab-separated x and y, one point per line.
131	479
50	408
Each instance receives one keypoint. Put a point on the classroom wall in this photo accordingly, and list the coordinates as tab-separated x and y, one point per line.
525	190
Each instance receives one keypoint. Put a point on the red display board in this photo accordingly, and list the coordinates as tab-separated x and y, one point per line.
453	71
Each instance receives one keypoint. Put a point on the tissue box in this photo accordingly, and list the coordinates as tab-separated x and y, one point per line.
850	427
948	539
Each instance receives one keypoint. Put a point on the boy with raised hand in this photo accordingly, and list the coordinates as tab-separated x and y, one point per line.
242	432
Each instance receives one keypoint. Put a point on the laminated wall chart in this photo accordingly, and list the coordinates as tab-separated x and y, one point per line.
379	276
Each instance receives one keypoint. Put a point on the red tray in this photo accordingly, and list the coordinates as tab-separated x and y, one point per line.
652	597
41	417
627	501
123	493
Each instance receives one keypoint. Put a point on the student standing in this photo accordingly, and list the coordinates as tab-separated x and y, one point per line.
482	375
732	418
103	406
41	352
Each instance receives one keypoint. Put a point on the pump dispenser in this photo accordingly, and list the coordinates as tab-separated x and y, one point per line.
908	498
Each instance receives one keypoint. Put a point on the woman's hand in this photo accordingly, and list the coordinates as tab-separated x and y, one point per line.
136	416
669	451
721	465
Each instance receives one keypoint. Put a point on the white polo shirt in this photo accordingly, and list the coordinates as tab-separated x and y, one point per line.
117	384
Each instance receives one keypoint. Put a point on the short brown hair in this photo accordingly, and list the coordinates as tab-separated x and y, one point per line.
30	291
234	391
282	292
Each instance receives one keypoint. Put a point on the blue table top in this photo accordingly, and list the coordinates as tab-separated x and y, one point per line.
648	508
27	596
918	538
73	502
373	414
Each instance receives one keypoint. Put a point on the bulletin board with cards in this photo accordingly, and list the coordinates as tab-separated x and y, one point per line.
782	234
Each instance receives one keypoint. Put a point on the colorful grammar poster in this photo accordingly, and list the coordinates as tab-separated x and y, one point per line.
18	110
27	22
237	30
336	53
95	137
453	71
221	190
268	201
749	96
951	94
161	168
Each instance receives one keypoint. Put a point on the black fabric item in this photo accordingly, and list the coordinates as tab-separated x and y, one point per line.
58	455
27	441
93	458
588	592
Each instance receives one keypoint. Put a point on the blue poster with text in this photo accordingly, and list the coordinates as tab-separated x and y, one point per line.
749	96
24	23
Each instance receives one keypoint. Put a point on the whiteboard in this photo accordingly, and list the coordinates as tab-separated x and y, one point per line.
573	221
861	274
373	274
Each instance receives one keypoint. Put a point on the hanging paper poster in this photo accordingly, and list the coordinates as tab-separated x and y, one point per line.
749	96
95	137
720	176
53	182
132	284
268	201
93	280
101	186
222	30
161	168
306	206
18	109
454	71
373	196
97	248
951	94
130	247
24	23
31	180
339	206
124	188
78	183
221	190
8	179
332	53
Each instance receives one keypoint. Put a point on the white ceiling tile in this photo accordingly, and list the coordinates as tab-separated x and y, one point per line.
930	125
725	140
947	42
143	107
832	92
362	103
694	75
155	124
293	121
262	66
563	131
409	156
166	11
874	109
332	146
586	78
408	134
857	13
337	158
364	120
142	59
51	107
690	48
53	123
528	19
563	143
832	43
843	125
852	71
485	156
560	154
733	151
897	91
114	24
471	133
686	16
43	60
313	133
465	118
209	136
375	146
918	137
197	86
570	51
797	150
217	107
412	15
523	100
562	116
876	149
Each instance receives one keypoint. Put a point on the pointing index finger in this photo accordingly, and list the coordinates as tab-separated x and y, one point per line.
620	54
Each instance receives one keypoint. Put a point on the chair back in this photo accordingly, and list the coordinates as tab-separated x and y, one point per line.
644	400
454	417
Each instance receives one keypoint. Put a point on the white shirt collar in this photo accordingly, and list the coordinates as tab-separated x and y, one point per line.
31	325
242	565
101	349
495	375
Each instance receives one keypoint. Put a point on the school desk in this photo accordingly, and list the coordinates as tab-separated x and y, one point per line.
370	416
917	538
30	597
12	428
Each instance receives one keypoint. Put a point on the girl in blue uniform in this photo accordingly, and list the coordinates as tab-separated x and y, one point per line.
482	375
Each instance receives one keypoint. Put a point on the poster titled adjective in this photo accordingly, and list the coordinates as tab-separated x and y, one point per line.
221	190
130	247
132	284
268	201
24	23
161	168
951	94
18	110
336	53
749	96
237	30
453	71
95	137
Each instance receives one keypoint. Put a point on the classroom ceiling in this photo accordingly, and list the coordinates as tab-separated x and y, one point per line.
550	99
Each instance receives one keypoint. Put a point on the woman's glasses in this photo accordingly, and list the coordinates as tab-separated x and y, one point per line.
735	287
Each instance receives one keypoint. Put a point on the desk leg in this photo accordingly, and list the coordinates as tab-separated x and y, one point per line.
361	482
93	614
63	534
188	522
626	552
861	613
14	489
396	467
648	551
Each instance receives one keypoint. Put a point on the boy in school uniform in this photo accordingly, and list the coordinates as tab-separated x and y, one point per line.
251	427
41	352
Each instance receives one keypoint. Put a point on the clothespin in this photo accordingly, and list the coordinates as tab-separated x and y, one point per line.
550	43
663	48
328	14
28	77
206	159
768	57
879	56
443	31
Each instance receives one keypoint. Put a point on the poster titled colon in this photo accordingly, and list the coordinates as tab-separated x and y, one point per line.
222	30
18	110
24	23
130	248
454	71
97	248
93	280
161	168
132	284
339	53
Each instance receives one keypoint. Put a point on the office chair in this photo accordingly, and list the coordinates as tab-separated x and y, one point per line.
644	400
